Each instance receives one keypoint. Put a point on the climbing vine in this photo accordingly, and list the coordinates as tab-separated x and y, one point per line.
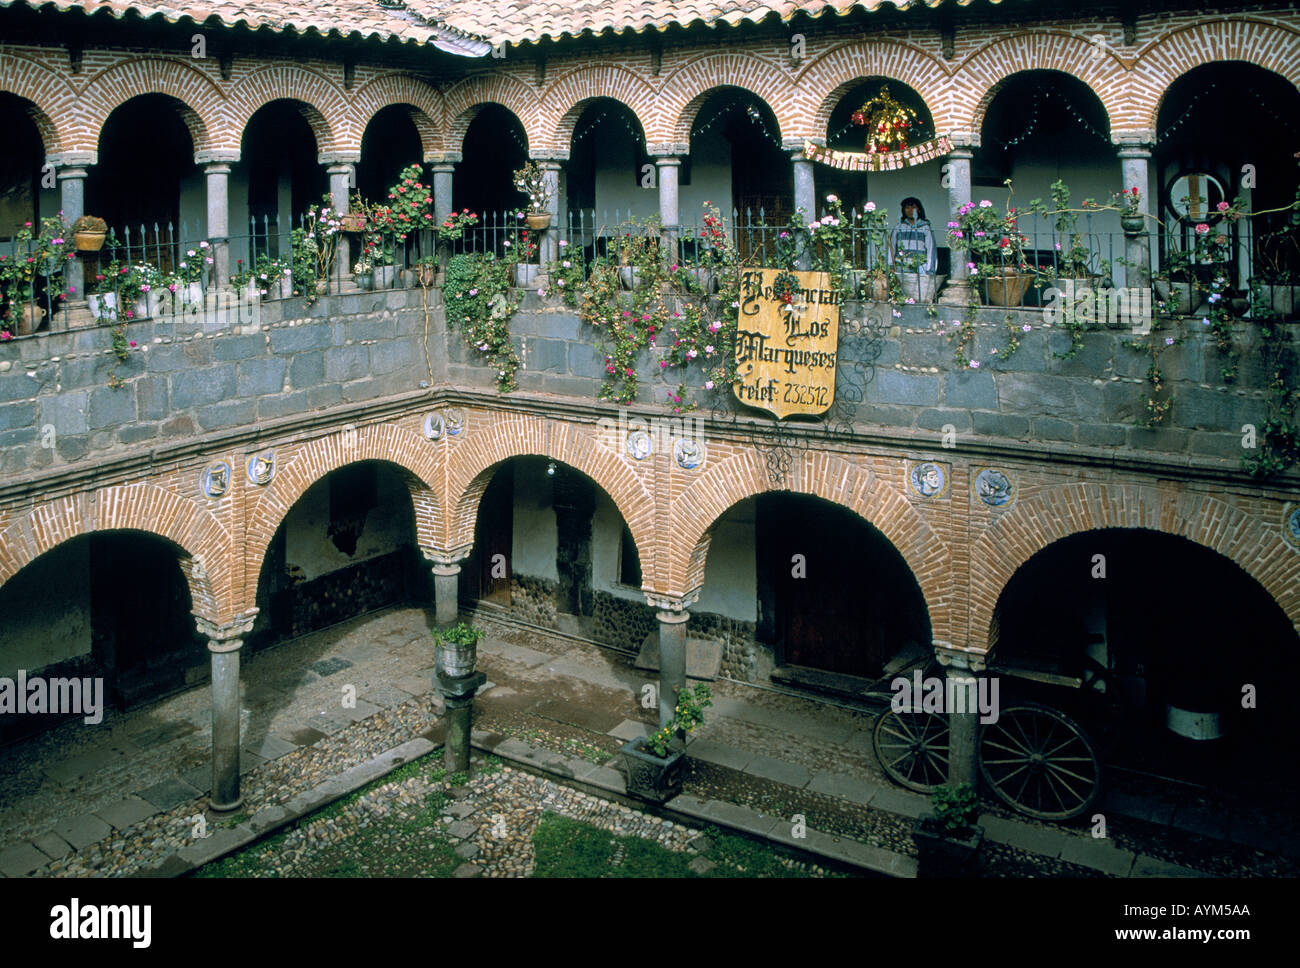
480	303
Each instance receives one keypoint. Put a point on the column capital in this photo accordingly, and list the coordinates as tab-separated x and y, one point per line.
446	558
965	140
72	173
550	166
338	158
656	148
436	158
1139	140
960	658
447	571
216	168
796	145
672	603
550	154
211	155
667	161
72	159
226	636
1133	152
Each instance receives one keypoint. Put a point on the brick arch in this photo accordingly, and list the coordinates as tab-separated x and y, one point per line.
423	101
686	89
1251	540
569	96
203	108
834	479
464	100
204	543
473	460
982	75
1273	47
403	448
51	101
322	104
824	81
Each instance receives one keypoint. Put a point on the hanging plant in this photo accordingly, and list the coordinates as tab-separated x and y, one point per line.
888	122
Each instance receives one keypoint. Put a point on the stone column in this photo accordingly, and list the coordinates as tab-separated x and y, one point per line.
218	179
340	166
442	166
668	167
961	668
957	290
224	643
548	248
672	661
446	593
805	194
1135	160
72	200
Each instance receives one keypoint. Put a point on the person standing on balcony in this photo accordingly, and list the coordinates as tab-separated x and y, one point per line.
911	244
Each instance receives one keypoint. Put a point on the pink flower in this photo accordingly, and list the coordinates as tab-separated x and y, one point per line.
133	342
1202	228
974	364
1222	206
662	364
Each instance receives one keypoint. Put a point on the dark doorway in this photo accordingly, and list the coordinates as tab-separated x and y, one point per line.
834	594
20	166
575	503
284	175
145	151
495	148
391	143
484	576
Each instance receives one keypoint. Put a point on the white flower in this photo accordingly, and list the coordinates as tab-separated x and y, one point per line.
566	264
708	384
986	204
709	349
203	245
691	354
870	206
563	243
832	199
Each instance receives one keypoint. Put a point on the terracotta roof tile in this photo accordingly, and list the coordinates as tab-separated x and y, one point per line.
496	21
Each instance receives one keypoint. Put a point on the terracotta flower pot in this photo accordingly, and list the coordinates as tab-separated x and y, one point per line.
88	241
538	220
1006	288
28	318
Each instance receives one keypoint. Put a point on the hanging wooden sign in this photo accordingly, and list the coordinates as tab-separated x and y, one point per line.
880	161
786	351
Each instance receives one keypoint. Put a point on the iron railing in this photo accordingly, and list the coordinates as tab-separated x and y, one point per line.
39	301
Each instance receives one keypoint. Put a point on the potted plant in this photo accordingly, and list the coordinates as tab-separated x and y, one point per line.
1131	219
874	281
409	208
532	182
918	286
995	248
456	650
363	271
187	281
948	843
1074	264
32	276
654	763
272	278
88	233
521	248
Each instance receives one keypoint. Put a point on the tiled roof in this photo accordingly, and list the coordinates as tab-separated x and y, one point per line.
341	17
518	21
496	21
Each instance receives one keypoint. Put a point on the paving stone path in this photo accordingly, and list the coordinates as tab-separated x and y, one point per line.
120	797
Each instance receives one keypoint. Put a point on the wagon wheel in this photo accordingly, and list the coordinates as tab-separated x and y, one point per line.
1040	762
913	748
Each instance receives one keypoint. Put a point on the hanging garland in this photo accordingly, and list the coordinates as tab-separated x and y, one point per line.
888	122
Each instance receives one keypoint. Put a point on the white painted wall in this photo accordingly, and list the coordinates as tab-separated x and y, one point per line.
535	533
46	609
731	571
389	526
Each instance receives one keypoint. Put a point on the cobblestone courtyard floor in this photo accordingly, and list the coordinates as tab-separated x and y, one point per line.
119	798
